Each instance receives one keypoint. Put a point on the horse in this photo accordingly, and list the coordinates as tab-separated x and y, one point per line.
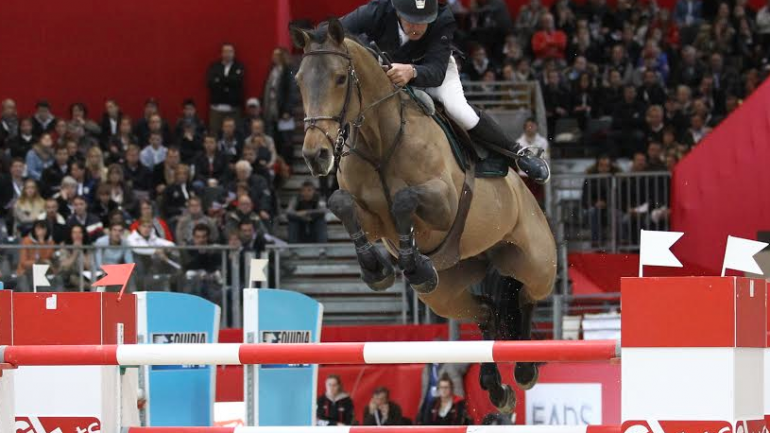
400	183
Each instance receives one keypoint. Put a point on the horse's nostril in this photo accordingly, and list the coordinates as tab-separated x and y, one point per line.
324	154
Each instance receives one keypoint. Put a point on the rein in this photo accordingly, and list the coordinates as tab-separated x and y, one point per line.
340	142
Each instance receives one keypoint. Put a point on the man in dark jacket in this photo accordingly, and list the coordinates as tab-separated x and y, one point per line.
225	82
383	411
417	36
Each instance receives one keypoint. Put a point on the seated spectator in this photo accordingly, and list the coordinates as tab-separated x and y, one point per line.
448	408
117	144
85	185
549	43
334	407
583	100
253	111
95	169
79	118
211	164
634	201
9	122
80	215
688	13
651	92
190	143
138	177
155	153
763	25
258	131
530	16
73	149
244	210
176	195
611	94
103	205
697	130
163	174
120	193
151	122
382	411
654	124
53	175
531	137
38	235
618	62
189	118
55	222
148	251
28	207
40	157
230	142
556	99
113	256
689	70
110	123
159	226
72	261
655	157
596	196
257	186
307	216
20	145
66	195
193	218
202	276
43	121
479	64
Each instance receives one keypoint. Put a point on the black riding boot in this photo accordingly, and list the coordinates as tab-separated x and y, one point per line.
489	134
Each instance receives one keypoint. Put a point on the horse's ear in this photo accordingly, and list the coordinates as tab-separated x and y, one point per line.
299	37
335	31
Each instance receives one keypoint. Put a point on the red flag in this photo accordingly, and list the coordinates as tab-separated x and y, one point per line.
116	275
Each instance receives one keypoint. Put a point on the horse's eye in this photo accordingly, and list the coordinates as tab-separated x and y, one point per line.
341	79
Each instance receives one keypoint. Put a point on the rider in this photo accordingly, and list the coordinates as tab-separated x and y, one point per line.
417	34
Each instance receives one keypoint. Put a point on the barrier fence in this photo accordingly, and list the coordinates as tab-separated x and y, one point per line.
387	429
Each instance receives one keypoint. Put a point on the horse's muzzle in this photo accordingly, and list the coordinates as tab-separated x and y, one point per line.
319	160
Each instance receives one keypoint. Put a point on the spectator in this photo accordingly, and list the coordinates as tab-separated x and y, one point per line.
103	205
53	175
22	143
529	17
307	216
120	192
9	122
258	132
335	407
674	116
79	118
627	123
493	21
202	266
253	111
113	256
151	122
763	25
193	218
155	153
633	201
211	164
73	150
117	144
549	43
555	98
479	65
163	174
71	261
244	210
28	207
225	82
563	16
651	91
189	117
688	13
189	142
382	411
654	124
159	226
725	79
256	153
68	190
655	157
38	236
689	70
111	120
258	188
611	94
252	239
531	138
697	130
277	90
230	142
583	99
137	176
40	157
80	215
148	250
176	195
448	408
43	120
618	62
55	222
512	51
96	171
596	196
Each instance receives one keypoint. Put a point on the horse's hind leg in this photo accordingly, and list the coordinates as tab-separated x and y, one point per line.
501	395
525	373
376	270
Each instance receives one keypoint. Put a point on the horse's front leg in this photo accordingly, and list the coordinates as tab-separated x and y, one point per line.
376	270
430	202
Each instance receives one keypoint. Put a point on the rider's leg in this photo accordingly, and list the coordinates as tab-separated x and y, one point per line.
481	127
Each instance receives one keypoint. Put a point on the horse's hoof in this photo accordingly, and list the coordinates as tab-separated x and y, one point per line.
526	375
424	278
508	403
379	282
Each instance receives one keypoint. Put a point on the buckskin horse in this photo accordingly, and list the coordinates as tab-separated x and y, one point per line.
401	183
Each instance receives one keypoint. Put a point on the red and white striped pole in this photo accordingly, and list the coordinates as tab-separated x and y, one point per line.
693	354
389	429
320	353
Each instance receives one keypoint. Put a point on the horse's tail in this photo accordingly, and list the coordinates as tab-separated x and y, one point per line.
503	293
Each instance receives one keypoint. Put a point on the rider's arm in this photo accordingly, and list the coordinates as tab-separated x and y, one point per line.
364	20
432	68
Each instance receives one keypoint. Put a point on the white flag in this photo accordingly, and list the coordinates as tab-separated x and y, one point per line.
38	276
257	271
655	249
739	255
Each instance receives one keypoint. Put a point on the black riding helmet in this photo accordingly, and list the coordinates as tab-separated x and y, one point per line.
417	11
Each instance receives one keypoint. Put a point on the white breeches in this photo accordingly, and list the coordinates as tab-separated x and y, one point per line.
450	94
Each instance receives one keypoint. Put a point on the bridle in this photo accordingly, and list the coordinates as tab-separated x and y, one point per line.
340	142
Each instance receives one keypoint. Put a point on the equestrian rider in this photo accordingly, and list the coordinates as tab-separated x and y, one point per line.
417	34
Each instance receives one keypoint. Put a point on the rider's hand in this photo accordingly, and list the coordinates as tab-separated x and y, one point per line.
400	74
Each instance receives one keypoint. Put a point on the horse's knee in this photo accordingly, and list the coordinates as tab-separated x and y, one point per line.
342	204
405	202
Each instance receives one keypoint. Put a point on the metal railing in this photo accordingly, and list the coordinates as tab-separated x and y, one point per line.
152	272
501	95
